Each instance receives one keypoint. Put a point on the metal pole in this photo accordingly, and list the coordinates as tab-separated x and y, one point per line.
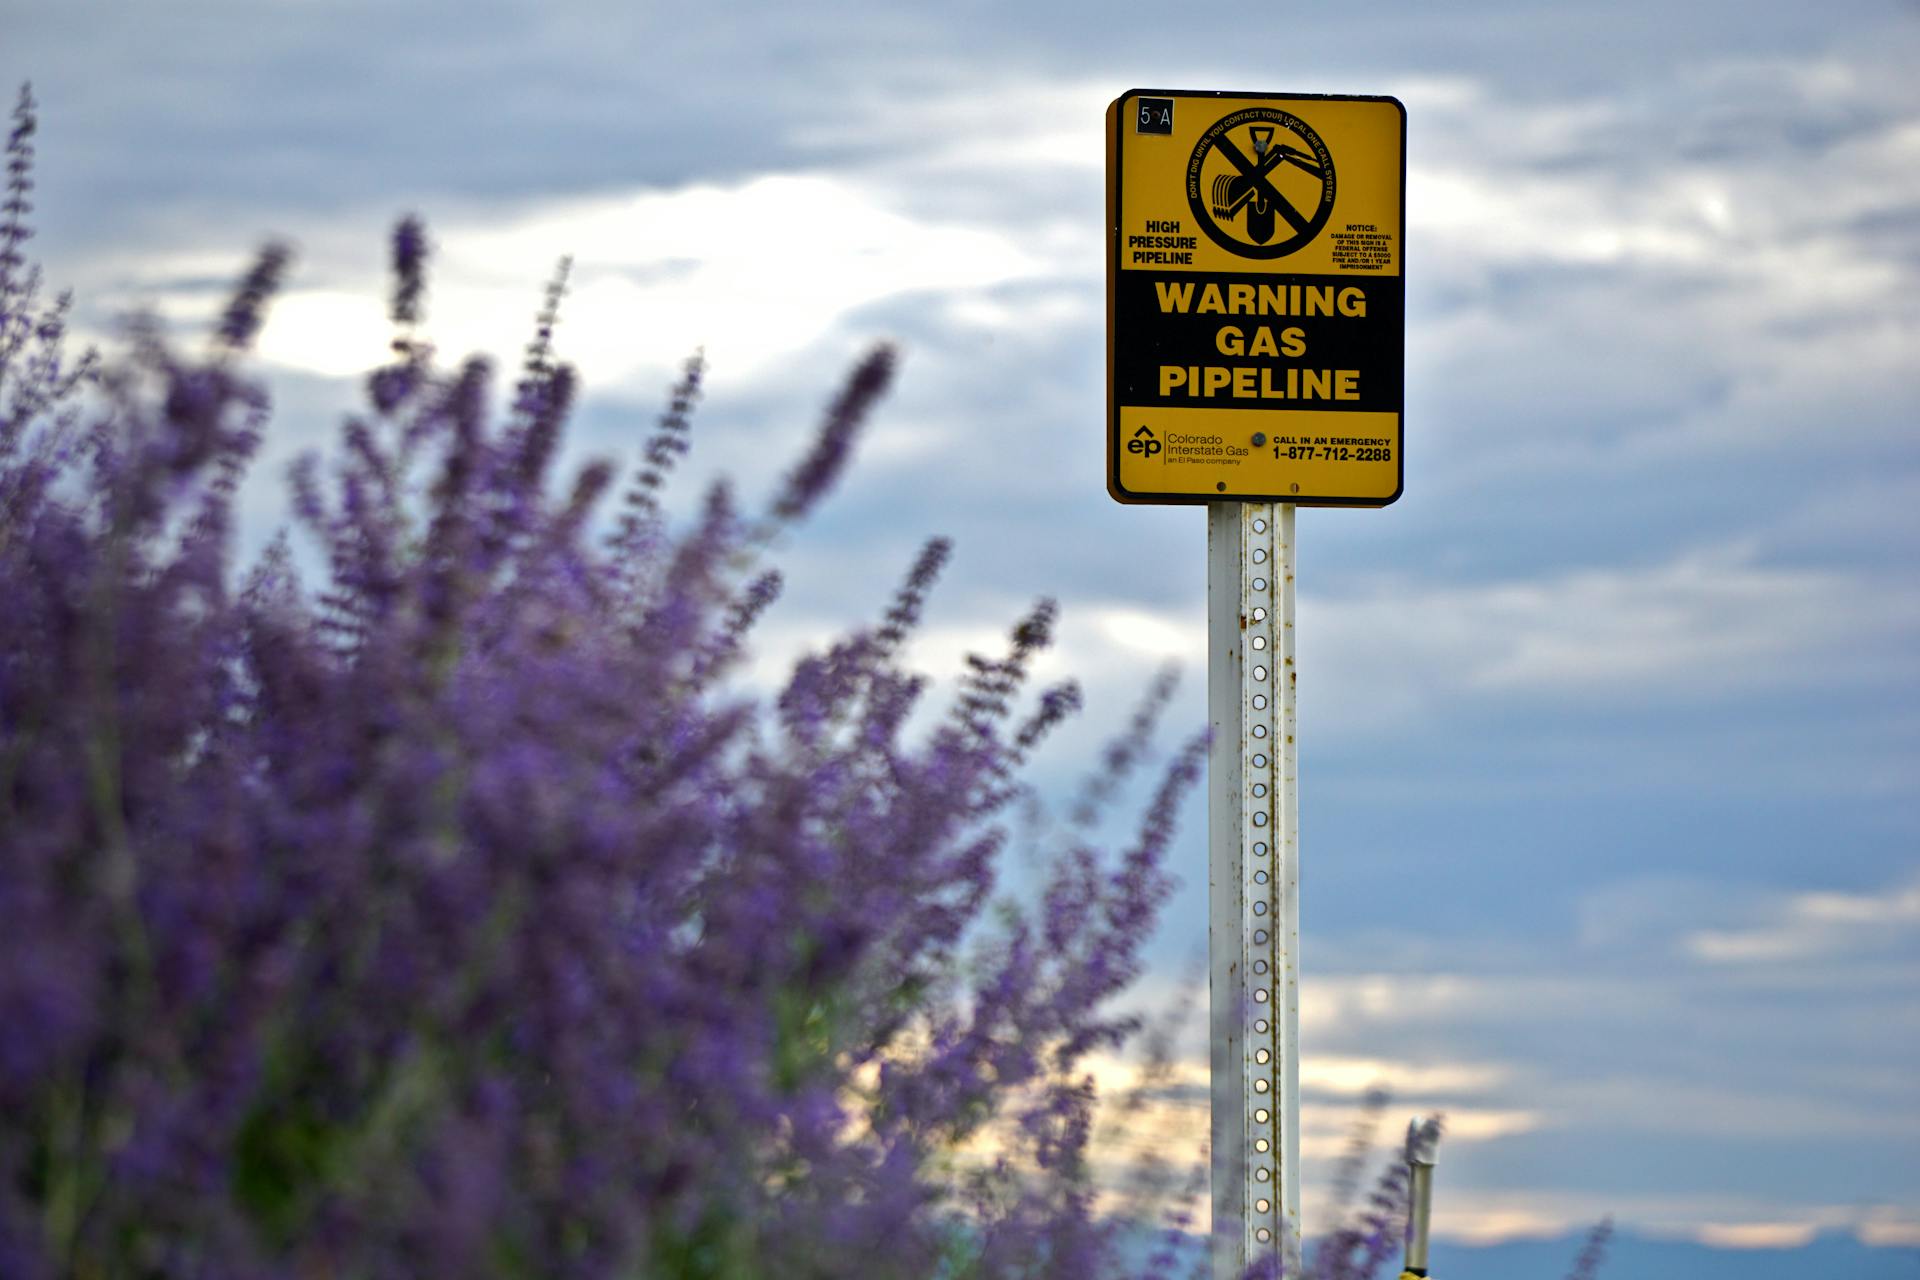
1419	1202
1253	832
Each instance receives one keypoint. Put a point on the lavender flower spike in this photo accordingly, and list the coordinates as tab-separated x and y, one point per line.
817	472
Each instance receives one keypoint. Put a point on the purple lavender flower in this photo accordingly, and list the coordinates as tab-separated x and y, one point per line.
246	311
409	269
1593	1251
455	911
815	474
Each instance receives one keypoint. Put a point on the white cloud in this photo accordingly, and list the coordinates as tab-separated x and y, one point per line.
1756	1235
1668	286
1889	1226
1699	626
1355	1076
754	271
1737	1107
1809	925
331	332
1388	652
1017	128
1146	631
1483	1215
1169	1122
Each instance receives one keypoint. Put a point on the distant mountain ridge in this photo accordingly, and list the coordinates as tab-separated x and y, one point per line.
1831	1256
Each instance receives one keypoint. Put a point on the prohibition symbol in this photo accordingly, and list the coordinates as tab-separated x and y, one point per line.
1256	173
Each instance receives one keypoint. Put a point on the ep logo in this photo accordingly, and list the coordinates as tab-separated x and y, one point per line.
1143	442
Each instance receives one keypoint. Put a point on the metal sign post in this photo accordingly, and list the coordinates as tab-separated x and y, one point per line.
1256	337
1253	836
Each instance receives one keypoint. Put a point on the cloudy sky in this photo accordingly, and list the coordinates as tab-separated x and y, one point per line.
1610	727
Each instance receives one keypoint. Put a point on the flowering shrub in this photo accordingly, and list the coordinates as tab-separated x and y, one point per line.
456	917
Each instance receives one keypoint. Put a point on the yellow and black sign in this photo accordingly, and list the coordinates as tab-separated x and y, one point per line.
1256	299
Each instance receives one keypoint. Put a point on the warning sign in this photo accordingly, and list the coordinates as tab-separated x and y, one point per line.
1255	298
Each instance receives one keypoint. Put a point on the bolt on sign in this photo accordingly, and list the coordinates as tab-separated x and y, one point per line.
1256	302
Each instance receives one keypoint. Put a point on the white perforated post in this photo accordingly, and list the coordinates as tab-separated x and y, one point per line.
1253	832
